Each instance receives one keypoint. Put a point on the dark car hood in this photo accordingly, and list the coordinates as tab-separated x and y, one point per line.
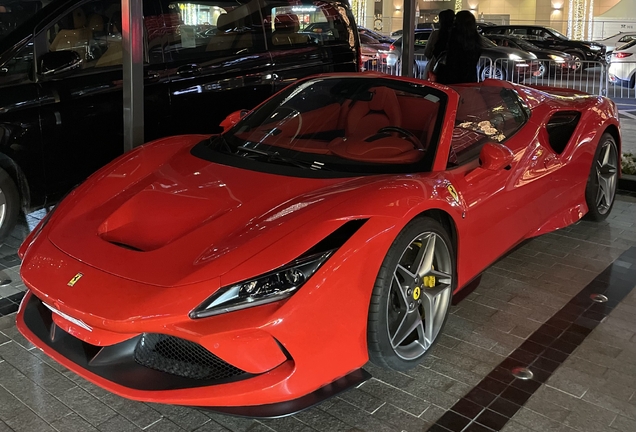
497	52
187	220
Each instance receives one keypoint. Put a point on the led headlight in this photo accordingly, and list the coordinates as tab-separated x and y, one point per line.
595	47
556	58
267	288
514	57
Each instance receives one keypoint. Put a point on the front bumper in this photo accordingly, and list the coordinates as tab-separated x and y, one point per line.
118	368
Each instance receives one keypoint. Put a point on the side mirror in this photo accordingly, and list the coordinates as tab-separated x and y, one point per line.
57	62
493	157
232	119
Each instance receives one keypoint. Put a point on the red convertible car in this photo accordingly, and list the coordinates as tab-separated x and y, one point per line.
257	271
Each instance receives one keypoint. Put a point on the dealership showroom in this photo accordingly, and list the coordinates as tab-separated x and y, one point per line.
293	216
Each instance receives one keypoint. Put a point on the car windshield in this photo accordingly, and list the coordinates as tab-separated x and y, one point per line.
627	45
332	126
14	12
557	33
524	44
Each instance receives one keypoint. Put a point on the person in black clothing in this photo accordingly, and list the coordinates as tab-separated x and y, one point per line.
463	51
438	40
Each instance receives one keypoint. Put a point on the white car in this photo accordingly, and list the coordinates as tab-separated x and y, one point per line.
622	70
616	41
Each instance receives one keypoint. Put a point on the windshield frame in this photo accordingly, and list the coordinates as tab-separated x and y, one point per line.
222	148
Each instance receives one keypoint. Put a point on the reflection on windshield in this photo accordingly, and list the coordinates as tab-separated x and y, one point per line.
14	12
353	125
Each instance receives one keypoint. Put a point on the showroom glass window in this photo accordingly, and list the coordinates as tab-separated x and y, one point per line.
213	28
295	24
484	114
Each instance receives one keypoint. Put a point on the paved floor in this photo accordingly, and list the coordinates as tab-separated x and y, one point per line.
532	309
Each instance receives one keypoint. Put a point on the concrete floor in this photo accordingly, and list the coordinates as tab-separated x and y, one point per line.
532	309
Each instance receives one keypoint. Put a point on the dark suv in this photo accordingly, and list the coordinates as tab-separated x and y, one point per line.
61	100
549	38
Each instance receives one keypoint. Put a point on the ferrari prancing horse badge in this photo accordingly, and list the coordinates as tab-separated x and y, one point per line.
75	279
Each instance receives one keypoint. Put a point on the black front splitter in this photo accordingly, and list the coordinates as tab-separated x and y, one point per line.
287	408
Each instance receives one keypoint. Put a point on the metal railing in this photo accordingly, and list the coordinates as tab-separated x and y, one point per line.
615	80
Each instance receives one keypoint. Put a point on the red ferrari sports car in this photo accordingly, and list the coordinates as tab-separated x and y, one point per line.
258	270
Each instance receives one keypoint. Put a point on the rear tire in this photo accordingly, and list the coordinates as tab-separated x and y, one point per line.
603	179
9	204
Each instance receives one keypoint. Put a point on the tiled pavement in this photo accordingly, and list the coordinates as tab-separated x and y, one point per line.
593	389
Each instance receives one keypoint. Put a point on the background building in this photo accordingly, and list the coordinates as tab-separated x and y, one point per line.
579	19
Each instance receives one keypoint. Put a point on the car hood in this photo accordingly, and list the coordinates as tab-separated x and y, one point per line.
165	217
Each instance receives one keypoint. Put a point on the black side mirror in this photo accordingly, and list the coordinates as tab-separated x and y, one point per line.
57	62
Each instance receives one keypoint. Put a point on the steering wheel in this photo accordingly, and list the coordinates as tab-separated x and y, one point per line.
406	134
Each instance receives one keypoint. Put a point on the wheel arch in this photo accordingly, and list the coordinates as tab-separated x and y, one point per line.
447	222
613	131
18	177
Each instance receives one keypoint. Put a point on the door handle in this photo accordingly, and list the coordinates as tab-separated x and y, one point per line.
188	70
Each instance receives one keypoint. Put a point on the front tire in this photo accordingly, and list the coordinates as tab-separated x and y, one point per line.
9	204
412	295
603	179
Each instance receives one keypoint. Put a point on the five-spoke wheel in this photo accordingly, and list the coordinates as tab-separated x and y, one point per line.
412	295
603	179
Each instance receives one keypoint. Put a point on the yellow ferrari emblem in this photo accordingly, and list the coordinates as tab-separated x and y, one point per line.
453	192
416	293
74	280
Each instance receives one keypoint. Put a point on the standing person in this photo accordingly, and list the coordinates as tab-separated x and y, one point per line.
463	51
438	40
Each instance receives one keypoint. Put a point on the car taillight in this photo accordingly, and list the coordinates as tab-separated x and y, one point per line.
622	54
392	48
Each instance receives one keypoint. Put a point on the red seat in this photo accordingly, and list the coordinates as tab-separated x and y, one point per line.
366	117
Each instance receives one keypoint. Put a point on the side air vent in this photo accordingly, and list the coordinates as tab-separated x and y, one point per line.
561	127
336	238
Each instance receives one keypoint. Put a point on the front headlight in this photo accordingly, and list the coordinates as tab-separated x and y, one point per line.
268	288
514	57
556	58
595	47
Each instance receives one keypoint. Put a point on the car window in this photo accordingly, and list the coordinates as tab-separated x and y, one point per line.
627	38
212	28
292	24
484	114
421	38
19	67
14	12
366	39
93	30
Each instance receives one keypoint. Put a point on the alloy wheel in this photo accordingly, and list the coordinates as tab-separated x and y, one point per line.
494	73
606	176
420	295
3	207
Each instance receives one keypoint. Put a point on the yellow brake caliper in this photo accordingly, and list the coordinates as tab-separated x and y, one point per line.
429	281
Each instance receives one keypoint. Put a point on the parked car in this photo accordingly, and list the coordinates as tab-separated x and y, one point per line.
549	38
328	227
430	26
373	52
375	35
61	78
497	61
622	69
615	41
551	61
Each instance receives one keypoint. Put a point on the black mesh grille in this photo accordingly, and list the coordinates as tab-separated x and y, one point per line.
181	357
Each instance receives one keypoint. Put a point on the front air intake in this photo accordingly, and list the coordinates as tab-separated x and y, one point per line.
181	357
